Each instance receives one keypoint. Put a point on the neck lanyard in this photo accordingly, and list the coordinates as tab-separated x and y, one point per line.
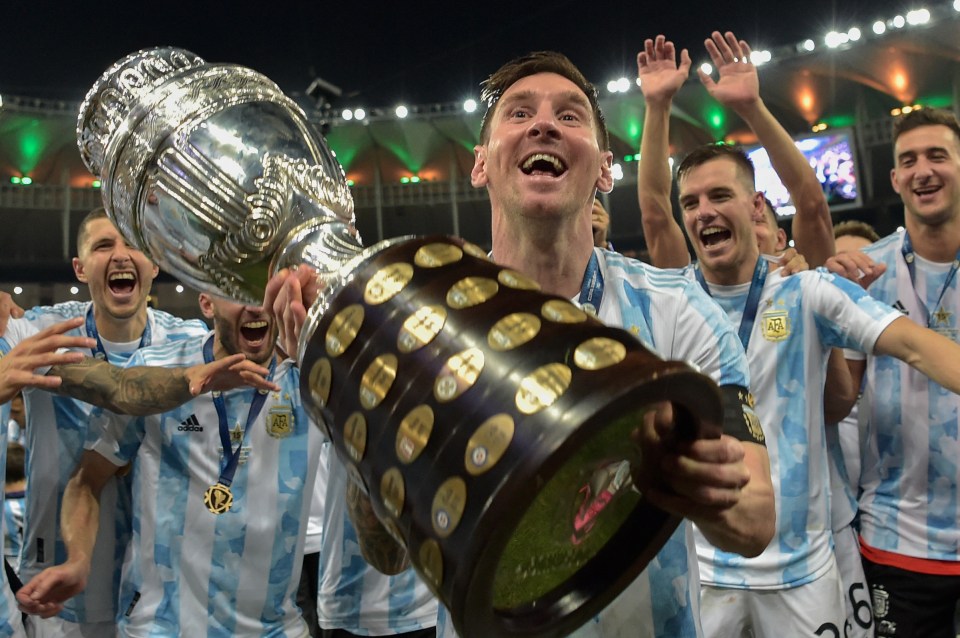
909	256
753	298
591	291
218	497
99	352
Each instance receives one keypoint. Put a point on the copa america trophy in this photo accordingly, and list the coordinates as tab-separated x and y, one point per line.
488	422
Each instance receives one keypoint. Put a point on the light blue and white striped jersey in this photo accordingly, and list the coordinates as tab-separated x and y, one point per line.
8	605
843	497
188	571
799	319
911	467
672	316
56	430
351	594
13	528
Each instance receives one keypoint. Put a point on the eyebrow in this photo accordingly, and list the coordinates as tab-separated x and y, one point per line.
923	151
570	96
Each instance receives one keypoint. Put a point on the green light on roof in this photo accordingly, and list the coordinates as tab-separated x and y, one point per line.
14	180
96	183
633	131
628	158
936	101
837	121
415	179
715	119
26	181
404	180
350	182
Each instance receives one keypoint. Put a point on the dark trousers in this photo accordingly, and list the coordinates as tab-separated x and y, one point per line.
912	605
307	591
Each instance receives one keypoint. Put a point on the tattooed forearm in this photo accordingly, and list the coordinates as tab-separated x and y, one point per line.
378	547
139	391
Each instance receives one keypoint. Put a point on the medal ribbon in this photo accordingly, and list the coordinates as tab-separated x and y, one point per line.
591	291
753	298
99	352
910	257
232	456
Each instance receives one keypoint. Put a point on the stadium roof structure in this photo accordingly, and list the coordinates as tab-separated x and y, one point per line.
410	175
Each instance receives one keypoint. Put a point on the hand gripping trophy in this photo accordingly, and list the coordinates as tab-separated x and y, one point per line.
488	422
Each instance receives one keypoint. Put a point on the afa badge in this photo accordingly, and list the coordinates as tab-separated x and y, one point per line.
775	325
280	421
750	418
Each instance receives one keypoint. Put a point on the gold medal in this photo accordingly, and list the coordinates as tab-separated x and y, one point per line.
218	498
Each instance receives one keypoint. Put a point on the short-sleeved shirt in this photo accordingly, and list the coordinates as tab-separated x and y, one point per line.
188	571
672	316
56	430
8	605
799	319
910	504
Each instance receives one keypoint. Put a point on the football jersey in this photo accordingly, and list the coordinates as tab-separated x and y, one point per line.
191	572
351	594
799	318
910	471
672	316
8	605
56	430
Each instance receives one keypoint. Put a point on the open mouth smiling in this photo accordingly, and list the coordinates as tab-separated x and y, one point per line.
122	283
254	332
714	235
543	164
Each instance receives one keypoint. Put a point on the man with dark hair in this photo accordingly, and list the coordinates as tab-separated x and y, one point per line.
119	279
542	158
788	325
855	228
909	522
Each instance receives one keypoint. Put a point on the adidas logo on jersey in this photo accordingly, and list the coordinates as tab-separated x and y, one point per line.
190	425
899	306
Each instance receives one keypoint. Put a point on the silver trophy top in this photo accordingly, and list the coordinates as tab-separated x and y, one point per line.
213	172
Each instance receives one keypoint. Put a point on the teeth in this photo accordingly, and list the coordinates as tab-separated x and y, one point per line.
555	162
712	231
117	276
253	325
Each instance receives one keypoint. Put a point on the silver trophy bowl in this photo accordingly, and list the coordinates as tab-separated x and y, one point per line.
214	173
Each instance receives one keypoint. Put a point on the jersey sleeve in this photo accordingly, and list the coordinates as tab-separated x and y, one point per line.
846	315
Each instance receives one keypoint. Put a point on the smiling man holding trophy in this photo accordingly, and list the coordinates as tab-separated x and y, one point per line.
489	423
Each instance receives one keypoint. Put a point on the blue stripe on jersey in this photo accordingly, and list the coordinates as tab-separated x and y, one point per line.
672	608
7	604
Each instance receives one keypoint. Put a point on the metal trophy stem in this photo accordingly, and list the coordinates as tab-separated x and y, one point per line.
489	423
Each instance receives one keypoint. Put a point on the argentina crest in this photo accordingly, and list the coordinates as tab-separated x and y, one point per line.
775	325
280	421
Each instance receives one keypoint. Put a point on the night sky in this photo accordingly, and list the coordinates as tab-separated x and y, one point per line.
382	54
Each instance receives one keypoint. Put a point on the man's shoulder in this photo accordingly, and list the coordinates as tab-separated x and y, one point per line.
181	351
174	327
885	247
639	274
57	312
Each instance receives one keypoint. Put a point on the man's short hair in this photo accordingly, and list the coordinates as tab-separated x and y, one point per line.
95	214
493	88
855	228
926	117
16	462
770	211
709	152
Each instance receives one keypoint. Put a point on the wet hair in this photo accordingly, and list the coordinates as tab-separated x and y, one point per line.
926	117
709	152
855	228
493	88
92	216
